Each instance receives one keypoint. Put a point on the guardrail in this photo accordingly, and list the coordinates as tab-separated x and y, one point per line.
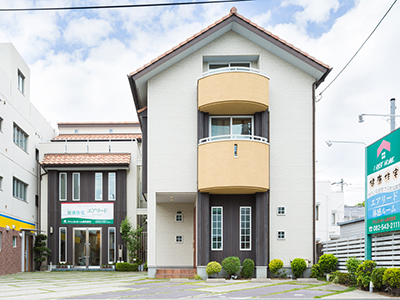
233	69
241	137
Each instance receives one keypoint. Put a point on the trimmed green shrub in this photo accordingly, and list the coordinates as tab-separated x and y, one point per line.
327	263
247	268
377	278
275	265
212	268
351	265
316	271
145	266
340	278
364	272
391	277
231	265
126	267
298	265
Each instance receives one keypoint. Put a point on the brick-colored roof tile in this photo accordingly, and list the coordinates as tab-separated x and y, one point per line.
84	137
86	159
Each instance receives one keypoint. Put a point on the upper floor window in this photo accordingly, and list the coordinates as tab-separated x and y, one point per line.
213	66
21	82
1	124
63	186
231	126
20	138
1	183
98	186
76	186
111	186
19	189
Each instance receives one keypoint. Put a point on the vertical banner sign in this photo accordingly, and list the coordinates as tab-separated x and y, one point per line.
383	184
87	213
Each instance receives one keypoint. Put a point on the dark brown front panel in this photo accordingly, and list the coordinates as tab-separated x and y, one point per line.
87	194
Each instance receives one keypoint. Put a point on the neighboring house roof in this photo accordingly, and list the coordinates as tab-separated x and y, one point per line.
96	137
95	123
239	24
351	221
52	160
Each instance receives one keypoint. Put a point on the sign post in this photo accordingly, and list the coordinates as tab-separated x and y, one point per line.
382	195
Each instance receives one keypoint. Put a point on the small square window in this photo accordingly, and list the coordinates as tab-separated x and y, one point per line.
14	241
110	130
281	211
179	217
281	235
179	239
76	130
1	183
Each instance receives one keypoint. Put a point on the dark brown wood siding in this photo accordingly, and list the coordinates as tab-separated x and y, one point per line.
87	194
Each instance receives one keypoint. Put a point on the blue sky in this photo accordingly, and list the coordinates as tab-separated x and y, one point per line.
79	60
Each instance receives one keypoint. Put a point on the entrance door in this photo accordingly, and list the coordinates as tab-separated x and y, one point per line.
28	253
87	247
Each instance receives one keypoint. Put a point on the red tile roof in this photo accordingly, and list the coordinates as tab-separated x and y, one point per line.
86	159
232	12
84	137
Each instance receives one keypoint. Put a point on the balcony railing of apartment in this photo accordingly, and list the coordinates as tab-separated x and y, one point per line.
233	69
233	137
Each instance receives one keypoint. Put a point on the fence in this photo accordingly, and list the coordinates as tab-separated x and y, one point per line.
142	253
385	250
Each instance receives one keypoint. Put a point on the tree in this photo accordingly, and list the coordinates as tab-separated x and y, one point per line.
132	239
40	250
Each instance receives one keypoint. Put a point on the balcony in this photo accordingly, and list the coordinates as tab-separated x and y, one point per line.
233	165
233	91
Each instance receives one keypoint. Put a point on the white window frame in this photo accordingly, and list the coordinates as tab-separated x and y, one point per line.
73	187
176	239
222	229
281	214
115	186
333	218
20	189
59	186
101	186
115	245
59	245
231	117
229	63
21	82
20	137
281	238
240	228
14	241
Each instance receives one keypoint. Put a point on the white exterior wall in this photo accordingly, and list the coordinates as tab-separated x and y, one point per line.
15	107
172	125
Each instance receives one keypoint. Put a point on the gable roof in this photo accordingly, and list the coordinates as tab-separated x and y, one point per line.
235	22
53	160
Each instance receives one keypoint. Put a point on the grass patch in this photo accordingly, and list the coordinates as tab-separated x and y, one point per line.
338	292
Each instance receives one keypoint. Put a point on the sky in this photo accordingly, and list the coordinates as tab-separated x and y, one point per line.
79	62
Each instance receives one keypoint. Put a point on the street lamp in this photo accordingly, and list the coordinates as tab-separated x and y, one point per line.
392	115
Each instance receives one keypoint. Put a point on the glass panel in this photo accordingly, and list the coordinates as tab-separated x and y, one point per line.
245	232
216	228
241	126
63	244
76	186
79	246
111	186
243	64
99	186
111	244
94	244
217	66
63	186
220	126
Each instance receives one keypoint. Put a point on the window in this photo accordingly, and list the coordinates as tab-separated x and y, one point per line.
281	211
1	124
14	241
214	66
111	245
111	186
76	186
179	239
20	138
317	212
63	186
98	186
333	218
19	189
245	228
1	183
63	244
21	82
216	228
281	235
178	218
239	127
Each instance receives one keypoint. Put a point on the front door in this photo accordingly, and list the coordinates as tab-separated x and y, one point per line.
87	247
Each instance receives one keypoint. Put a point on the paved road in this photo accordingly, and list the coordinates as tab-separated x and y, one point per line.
135	285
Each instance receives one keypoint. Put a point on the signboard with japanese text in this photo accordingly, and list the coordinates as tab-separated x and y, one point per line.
87	213
383	184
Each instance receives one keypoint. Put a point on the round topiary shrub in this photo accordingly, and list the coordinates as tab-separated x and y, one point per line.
377	278
327	263
275	265
298	265
364	272
247	268
212	268
231	265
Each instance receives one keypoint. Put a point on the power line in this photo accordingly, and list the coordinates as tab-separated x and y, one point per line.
320	94
118	6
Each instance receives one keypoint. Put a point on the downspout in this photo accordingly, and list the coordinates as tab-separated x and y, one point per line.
314	87
40	196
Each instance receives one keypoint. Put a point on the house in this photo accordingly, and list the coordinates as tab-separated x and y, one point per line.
228	124
90	183
22	127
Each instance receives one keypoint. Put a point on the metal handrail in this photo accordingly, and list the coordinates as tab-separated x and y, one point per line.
219	138
233	69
